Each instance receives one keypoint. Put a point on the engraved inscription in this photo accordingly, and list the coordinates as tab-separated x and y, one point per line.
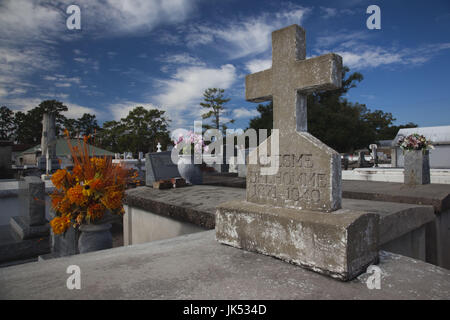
298	181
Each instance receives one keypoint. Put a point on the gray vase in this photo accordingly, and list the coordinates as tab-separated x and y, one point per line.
189	170
417	167
94	237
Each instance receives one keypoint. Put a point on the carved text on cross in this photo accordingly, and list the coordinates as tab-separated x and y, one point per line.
291	78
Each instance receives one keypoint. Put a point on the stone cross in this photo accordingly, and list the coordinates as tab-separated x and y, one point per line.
280	215
159	147
291	78
309	174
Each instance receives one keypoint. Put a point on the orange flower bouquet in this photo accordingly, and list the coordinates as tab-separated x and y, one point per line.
94	187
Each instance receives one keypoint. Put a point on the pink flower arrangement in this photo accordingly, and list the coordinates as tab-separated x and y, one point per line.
415	142
191	141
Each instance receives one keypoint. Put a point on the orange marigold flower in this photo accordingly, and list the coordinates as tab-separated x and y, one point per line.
112	199
58	178
99	163
60	224
75	195
96	211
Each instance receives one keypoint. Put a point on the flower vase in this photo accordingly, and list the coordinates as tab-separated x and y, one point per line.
189	170
417	167
94	237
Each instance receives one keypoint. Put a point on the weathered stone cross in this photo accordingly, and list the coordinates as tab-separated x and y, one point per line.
291	78
309	172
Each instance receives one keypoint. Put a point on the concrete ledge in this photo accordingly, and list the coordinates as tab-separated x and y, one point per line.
13	248
436	195
340	244
194	204
198	267
22	228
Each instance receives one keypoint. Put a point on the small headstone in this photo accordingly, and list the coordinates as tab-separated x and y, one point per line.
31	222
362	163
158	147
159	166
417	167
141	155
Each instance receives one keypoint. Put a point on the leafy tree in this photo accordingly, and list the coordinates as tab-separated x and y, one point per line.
214	101
29	125
7	125
87	124
71	126
141	130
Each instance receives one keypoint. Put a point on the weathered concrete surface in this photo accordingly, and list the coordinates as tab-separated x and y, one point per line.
308	176
140	226
341	244
193	204
436	195
197	205
309	173
417	167
198	267
14	248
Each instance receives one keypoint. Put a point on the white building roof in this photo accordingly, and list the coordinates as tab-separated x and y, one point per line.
437	135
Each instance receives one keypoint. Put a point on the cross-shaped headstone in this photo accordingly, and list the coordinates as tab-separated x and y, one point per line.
291	78
309	172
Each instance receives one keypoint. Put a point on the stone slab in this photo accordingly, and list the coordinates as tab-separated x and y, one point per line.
194	204
197	205
436	195
417	167
13	248
341	244
308	175
159	166
198	267
22	228
32	200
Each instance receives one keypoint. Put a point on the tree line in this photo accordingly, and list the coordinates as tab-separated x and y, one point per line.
140	130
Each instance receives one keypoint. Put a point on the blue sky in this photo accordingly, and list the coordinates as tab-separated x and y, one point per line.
163	54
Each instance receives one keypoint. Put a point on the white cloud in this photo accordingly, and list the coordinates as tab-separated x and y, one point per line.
258	65
182	58
121	17
243	38
3	92
244	113
188	84
358	53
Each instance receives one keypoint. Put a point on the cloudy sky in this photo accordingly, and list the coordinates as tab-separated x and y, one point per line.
164	53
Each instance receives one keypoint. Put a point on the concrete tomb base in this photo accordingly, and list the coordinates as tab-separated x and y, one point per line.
340	244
